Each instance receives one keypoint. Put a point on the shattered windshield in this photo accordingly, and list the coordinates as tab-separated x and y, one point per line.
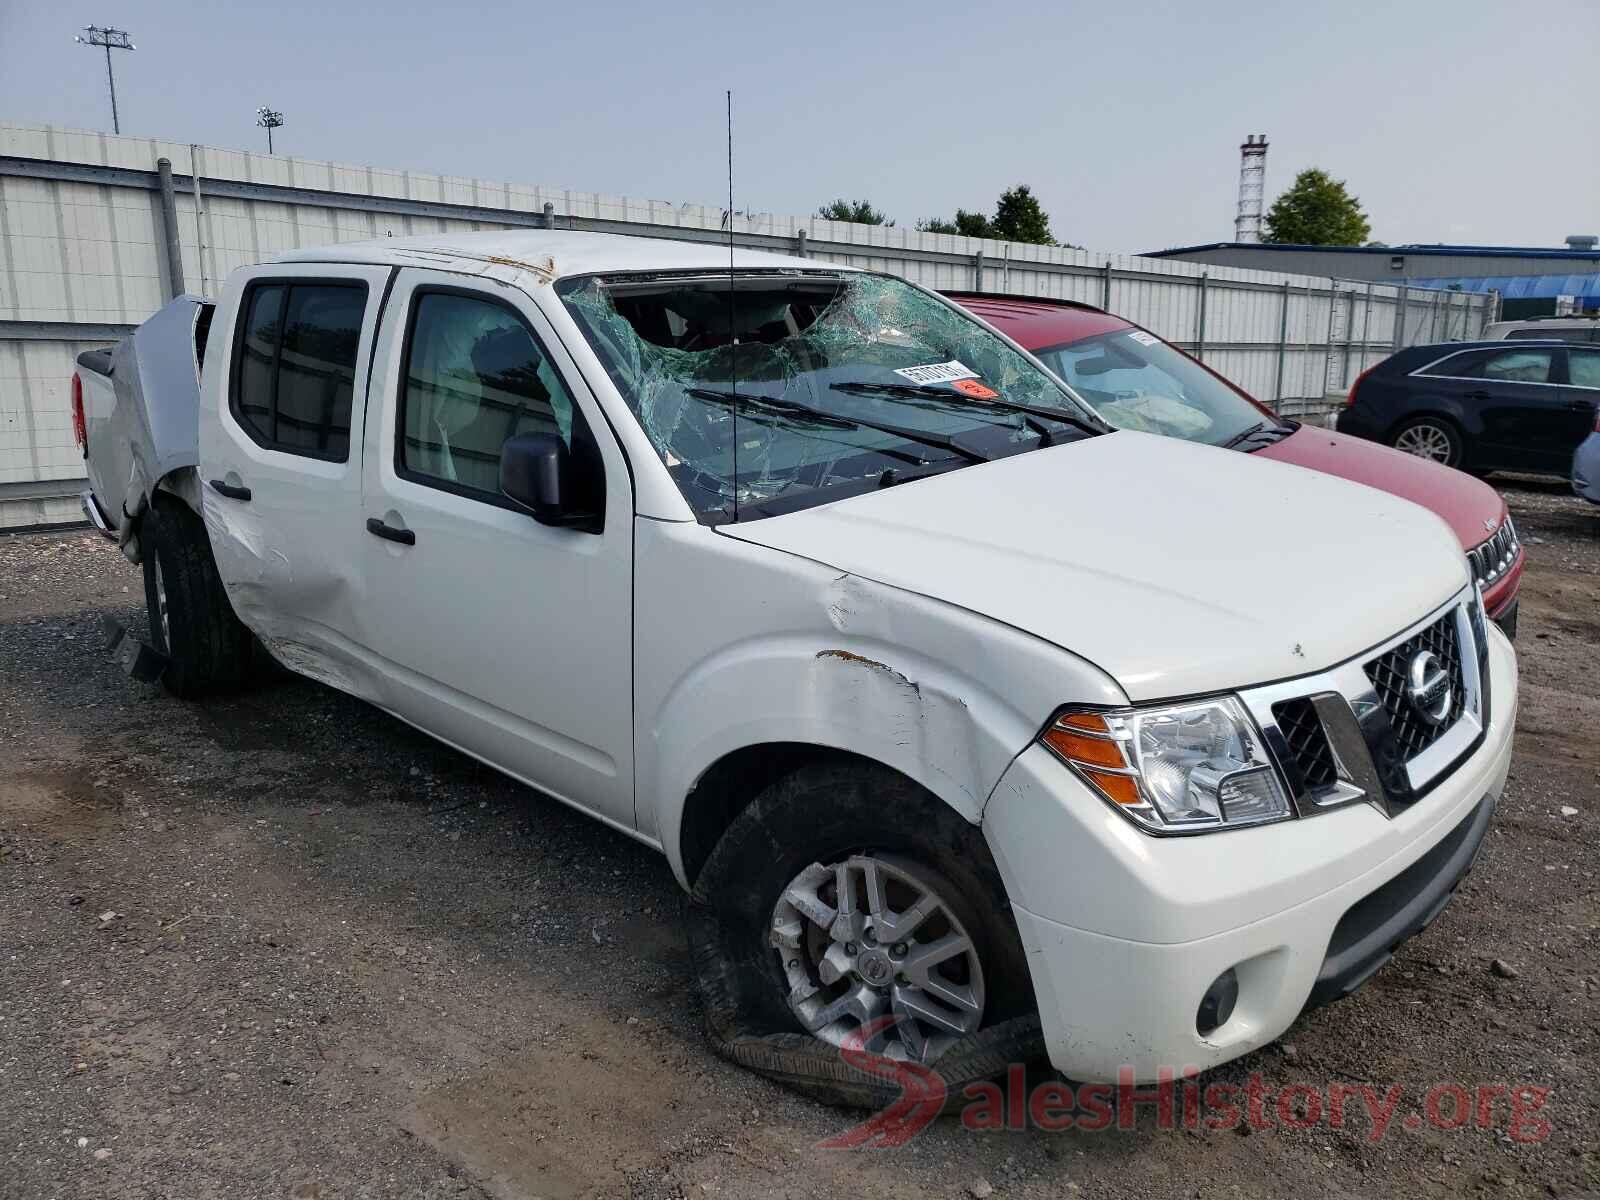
792	388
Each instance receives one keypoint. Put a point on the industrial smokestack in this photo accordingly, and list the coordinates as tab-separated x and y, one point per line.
1252	182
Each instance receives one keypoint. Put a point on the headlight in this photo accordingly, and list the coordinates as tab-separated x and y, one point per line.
1181	768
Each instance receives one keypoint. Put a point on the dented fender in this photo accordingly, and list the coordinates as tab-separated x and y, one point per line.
765	647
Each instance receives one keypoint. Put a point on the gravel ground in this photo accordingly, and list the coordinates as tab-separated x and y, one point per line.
282	945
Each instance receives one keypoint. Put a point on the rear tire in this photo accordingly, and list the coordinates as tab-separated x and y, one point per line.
191	621
1433	438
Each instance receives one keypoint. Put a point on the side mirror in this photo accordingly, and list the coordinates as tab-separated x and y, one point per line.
537	472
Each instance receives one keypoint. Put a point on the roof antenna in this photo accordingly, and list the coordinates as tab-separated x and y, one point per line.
733	329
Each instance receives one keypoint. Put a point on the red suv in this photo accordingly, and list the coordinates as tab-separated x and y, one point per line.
1136	380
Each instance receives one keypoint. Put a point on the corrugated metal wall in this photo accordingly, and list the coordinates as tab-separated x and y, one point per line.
82	259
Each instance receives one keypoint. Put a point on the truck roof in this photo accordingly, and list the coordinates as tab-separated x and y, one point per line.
551	253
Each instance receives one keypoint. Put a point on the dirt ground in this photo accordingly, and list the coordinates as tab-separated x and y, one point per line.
281	945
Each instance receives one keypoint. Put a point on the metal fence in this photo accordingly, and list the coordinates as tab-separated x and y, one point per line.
92	242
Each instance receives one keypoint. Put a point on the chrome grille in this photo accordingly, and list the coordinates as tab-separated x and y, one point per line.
1308	742
1388	673
1493	558
1350	733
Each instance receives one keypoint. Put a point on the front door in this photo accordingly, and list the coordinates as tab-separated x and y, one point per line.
505	637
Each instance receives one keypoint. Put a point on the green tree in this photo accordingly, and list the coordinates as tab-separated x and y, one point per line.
967	224
859	211
1317	211
1018	217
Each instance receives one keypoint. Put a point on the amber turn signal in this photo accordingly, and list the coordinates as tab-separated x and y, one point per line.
1087	742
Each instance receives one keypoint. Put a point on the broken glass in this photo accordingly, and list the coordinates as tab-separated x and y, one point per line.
904	376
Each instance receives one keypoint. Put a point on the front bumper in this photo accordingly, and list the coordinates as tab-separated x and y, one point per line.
1125	932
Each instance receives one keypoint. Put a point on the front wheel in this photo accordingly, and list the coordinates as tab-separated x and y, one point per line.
1432	438
846	909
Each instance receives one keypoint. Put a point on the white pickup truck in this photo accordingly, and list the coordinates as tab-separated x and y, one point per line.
950	709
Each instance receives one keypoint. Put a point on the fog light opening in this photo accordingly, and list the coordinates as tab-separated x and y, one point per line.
1216	1006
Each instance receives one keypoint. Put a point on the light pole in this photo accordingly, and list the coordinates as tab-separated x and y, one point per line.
269	120
111	39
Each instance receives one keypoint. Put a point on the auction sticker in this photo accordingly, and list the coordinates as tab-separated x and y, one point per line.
1143	338
945	372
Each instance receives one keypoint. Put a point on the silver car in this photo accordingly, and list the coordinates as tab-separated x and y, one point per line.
1561	329
1586	467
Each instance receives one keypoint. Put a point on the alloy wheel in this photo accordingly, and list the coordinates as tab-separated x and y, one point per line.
1426	440
869	947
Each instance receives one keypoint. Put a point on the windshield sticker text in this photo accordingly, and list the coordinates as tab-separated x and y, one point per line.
945	372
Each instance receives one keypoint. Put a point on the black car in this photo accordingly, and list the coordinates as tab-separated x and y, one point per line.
1480	406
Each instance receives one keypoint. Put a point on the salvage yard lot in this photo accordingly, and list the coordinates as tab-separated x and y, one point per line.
282	945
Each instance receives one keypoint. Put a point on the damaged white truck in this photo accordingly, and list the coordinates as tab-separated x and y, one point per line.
974	731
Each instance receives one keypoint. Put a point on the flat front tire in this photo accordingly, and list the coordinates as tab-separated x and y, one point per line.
847	908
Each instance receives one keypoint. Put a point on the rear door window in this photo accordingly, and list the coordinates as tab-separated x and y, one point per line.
1519	366
294	371
1516	366
1583	368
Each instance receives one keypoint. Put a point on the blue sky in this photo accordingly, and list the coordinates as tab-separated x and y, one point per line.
1463	121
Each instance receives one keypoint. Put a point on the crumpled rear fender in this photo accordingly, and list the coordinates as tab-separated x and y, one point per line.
151	436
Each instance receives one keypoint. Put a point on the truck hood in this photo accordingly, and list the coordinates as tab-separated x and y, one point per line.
1176	568
1469	506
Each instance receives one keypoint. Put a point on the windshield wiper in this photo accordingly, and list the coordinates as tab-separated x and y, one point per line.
801	414
932	392
1244	435
777	404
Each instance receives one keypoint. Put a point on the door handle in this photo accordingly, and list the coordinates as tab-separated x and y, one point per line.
389	533
232	491
1477	395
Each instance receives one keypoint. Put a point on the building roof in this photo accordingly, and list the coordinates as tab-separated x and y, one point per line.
550	253
1431	248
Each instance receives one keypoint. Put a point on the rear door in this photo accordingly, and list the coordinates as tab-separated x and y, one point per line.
1522	404
1582	394
284	387
502	636
1511	395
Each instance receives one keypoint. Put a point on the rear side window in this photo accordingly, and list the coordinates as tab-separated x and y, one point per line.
1519	366
475	375
1516	366
294	373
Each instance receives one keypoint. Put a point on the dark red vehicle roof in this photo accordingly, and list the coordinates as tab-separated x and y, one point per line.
1036	324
